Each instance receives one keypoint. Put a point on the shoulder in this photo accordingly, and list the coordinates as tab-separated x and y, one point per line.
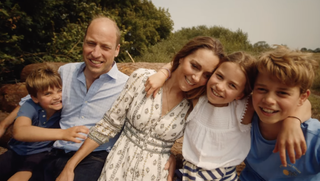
29	104
28	109
312	126
142	72
70	66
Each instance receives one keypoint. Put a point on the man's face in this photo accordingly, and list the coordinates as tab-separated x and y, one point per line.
99	47
273	101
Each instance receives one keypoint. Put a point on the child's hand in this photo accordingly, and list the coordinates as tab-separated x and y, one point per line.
154	82
290	139
73	133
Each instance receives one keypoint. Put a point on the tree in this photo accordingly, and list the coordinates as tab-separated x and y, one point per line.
45	30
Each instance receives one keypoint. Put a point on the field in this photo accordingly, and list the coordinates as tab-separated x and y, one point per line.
315	92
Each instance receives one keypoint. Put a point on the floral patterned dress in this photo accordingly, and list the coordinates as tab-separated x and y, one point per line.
143	147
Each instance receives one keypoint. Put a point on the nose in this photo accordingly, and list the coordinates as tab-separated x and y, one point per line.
220	86
268	99
196	77
57	95
96	52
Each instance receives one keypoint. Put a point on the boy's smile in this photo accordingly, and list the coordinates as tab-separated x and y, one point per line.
274	101
50	100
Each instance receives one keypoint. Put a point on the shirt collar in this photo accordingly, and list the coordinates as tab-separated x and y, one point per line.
113	72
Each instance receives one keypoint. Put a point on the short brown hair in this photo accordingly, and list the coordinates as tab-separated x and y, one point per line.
41	79
200	42
118	32
248	66
292	68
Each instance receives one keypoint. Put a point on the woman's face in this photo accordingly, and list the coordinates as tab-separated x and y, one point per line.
195	69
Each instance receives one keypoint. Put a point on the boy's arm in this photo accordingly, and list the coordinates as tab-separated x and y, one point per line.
156	80
291	138
23	130
4	124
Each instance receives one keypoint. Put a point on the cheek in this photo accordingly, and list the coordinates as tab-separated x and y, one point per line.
255	100
86	50
203	81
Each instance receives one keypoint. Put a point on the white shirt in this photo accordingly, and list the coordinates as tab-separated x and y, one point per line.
214	136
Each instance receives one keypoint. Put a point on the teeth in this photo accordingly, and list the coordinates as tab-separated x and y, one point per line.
95	62
56	102
189	82
267	110
215	93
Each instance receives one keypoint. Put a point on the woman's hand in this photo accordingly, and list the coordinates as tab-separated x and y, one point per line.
170	166
66	175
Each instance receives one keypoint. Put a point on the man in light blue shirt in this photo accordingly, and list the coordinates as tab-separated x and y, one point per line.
89	90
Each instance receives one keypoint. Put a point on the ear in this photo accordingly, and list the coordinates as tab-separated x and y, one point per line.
181	60
35	99
240	96
304	97
117	50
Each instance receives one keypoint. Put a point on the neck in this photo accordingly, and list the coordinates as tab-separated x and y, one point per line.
173	87
270	131
49	113
89	78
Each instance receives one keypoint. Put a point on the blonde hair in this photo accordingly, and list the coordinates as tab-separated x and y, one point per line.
41	79
248	66
200	42
292	68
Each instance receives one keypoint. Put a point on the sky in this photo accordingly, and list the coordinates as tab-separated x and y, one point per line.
295	23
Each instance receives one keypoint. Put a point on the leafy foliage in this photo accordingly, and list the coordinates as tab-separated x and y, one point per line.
231	40
44	30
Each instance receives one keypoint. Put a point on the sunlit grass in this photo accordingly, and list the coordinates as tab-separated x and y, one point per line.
315	102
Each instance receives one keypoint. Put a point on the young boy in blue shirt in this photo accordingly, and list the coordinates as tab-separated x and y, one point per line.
36	125
282	85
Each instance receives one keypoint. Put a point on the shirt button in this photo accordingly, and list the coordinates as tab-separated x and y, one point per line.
44	122
82	117
86	102
44	116
42	110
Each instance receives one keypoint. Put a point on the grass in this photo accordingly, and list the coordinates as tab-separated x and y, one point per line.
315	92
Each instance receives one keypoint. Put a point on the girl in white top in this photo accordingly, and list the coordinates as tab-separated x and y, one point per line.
217	134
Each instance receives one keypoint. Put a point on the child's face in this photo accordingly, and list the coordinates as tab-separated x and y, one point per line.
226	84
272	100
50	100
195	69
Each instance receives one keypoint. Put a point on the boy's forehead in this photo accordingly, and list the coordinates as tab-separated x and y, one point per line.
269	80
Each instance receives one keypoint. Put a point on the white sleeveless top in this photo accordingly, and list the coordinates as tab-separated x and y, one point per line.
214	136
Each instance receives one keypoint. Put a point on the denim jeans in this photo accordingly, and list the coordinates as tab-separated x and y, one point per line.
89	169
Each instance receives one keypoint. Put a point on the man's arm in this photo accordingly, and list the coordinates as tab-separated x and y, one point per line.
4	124
23	130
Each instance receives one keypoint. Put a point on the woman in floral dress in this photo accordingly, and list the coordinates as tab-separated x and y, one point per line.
150	125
